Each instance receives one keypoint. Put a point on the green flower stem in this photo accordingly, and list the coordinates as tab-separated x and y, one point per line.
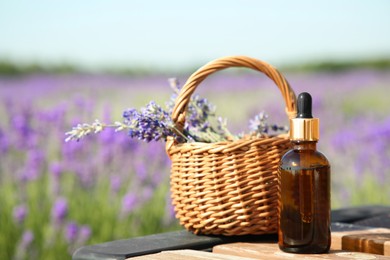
176	131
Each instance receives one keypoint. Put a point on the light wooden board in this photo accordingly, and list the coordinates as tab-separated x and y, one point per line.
271	251
188	255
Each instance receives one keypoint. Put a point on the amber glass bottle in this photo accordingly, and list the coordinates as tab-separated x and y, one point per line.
304	217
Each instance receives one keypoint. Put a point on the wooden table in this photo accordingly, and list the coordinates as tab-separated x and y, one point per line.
348	242
357	233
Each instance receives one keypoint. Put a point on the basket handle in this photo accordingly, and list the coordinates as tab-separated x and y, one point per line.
183	99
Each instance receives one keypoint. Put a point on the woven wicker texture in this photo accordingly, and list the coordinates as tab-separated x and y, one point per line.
227	188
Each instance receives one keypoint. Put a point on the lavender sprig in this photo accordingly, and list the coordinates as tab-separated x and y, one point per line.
150	123
82	130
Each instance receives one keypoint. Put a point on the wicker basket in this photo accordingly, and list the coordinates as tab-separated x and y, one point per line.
227	188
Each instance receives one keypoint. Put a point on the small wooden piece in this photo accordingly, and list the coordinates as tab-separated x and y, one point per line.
378	243
362	239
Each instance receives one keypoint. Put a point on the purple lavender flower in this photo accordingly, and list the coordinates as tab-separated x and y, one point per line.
199	111
116	183
4	142
35	157
28	174
199	125
129	202
169	210
141	171
84	104
20	213
71	232
147	193
21	124
130	116
59	210
84	233
27	239
24	247
259	125
152	123
56	169
33	167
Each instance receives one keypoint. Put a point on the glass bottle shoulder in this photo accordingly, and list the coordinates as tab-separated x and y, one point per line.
303	159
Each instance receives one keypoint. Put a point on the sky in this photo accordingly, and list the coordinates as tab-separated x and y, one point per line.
175	34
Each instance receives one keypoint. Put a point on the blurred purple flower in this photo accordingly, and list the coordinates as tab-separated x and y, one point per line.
107	155
21	125
24	249
27	238
71	232
20	213
35	158
4	142
71	150
343	139
84	104
147	193
158	176
54	116
129	202
59	210
169	210
367	143
116	183
84	233
141	171
29	174
86	175
33	166
56	169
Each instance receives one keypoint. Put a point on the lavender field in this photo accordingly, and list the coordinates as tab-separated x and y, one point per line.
56	196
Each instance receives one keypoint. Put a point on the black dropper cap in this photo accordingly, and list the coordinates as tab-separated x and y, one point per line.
304	127
304	103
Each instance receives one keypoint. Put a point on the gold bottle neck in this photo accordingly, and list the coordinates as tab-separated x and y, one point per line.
304	129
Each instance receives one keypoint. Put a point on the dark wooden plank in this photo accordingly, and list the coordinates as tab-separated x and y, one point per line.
122	249
382	220
354	214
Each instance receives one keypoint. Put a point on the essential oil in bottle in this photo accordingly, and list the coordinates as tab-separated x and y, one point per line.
304	216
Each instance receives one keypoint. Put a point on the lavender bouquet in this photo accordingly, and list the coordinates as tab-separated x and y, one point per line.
153	123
